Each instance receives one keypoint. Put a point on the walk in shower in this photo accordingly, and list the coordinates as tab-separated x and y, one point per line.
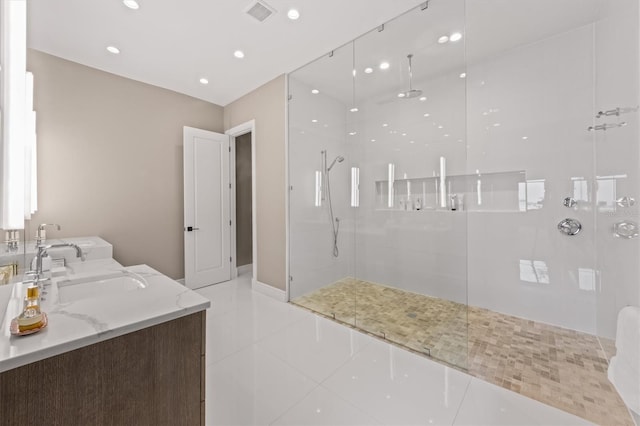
483	211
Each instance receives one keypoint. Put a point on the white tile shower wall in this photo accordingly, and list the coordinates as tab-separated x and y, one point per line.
420	251
617	154
311	246
529	109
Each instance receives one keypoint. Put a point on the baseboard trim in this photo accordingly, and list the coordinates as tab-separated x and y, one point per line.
181	281
245	269
267	290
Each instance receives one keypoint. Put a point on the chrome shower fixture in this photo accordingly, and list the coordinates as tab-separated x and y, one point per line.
335	221
411	93
339	159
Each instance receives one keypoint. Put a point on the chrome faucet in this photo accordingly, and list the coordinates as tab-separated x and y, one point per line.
43	252
39	235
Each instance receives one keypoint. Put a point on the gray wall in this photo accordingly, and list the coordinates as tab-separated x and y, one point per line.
243	200
266	105
110	159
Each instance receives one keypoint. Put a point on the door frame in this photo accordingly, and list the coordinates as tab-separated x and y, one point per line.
234	132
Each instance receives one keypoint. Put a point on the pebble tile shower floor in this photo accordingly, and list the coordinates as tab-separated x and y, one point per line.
560	367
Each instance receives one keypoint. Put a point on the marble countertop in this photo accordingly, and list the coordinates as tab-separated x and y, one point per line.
90	320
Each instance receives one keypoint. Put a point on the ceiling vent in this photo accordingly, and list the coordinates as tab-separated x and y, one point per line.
260	10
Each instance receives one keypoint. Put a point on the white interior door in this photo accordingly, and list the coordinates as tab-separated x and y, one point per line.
207	227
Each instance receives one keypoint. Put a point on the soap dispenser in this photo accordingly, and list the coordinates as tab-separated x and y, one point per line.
31	317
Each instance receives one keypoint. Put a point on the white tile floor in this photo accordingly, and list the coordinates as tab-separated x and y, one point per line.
271	363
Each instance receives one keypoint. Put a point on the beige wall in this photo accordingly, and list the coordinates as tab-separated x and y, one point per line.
267	106
244	236
110	159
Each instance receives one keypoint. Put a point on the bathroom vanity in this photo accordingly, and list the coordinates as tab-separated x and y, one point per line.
122	346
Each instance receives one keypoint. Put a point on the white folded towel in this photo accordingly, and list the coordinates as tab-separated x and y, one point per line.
624	368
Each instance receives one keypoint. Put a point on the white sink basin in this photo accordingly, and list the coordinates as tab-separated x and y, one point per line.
117	283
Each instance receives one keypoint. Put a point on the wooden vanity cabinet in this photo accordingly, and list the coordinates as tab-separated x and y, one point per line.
154	376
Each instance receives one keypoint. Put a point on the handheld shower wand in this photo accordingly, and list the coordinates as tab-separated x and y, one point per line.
339	159
335	221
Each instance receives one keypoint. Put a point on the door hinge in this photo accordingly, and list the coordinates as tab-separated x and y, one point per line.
290	278
231	259
229	186
229	223
290	97
291	188
229	149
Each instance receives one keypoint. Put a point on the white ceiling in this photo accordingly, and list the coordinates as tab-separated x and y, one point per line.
174	43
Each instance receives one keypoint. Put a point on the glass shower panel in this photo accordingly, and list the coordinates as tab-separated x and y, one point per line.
617	175
414	192
532	272
320	159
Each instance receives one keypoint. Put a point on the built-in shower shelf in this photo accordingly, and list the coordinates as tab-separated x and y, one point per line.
494	192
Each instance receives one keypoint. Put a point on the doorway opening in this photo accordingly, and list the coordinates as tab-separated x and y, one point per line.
244	246
244	204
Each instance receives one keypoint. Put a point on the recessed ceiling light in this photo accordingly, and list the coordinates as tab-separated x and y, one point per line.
315	91
401	95
441	127
373	140
446	135
113	49
385	125
204	81
412	141
443	39
524	138
384	65
424	98
238	54
314	121
404	134
354	109
496	124
293	14
368	70
463	75
455	37
131	4
426	114
353	133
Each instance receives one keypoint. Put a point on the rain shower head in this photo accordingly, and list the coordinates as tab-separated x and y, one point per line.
339	159
411	93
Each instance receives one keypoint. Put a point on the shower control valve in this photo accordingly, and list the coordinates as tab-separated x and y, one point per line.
569	202
626	229
569	226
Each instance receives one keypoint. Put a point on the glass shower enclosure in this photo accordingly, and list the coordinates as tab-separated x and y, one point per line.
464	183
379	240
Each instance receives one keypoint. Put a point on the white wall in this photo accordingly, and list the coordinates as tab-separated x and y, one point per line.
311	245
423	251
617	154
519	263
